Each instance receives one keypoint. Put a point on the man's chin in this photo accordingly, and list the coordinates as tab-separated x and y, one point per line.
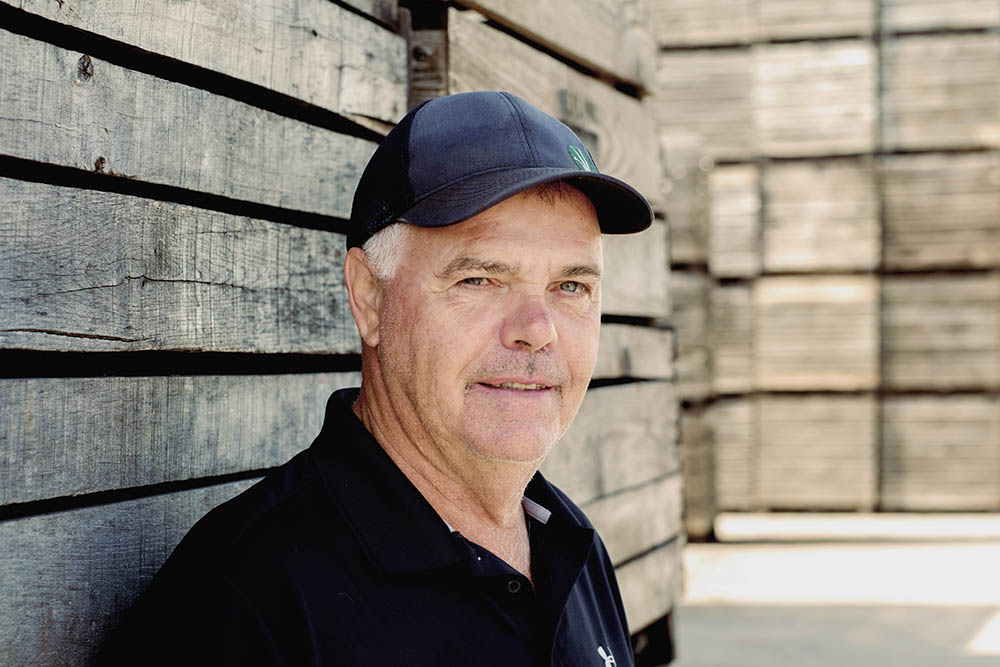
514	445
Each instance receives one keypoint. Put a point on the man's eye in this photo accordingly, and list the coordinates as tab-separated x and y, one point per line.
476	281
572	286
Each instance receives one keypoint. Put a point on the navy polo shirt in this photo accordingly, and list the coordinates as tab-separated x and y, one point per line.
335	558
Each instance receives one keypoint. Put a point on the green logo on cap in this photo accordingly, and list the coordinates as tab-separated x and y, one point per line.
580	158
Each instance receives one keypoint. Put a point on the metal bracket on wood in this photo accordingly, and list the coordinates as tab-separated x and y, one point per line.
426	31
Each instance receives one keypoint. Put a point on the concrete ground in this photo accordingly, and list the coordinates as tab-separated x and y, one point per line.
844	590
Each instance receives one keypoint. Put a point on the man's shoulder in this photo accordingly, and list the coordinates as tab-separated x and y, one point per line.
288	500
219	572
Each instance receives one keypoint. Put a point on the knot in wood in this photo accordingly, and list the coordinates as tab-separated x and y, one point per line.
422	53
85	67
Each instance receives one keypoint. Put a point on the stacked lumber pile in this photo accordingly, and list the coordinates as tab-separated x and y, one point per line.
689	175
852	257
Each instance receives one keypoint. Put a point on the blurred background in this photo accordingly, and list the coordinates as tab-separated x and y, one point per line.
837	300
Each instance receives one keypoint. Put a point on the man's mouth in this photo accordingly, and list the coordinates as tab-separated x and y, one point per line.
516	385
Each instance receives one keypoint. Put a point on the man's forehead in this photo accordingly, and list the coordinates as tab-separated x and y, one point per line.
564	210
527	225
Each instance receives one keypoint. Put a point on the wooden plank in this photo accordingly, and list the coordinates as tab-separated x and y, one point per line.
68	109
941	453
624	435
731	338
691	23
68	576
96	271
816	333
821	216
941	332
909	15
687	197
818	452
601	36
312	50
690	293
617	128
385	11
940	92
941	211
815	98
699	22
734	221
635	352
651	586
697	452
734	428
794	19
67	436
638	519
633	260
707	94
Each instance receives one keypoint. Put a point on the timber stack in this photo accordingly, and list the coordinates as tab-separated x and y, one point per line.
177	182
852	258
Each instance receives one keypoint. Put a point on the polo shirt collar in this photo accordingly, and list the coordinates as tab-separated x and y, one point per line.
393	522
398	529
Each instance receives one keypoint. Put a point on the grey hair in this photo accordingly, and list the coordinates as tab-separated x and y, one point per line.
385	249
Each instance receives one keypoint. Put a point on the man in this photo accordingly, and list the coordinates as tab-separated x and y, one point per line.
416	530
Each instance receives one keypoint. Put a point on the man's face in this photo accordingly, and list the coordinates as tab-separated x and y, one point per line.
488	331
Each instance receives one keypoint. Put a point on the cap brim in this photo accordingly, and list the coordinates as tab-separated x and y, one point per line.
620	207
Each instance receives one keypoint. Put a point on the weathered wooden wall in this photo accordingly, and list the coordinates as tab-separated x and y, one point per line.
850	333
176	179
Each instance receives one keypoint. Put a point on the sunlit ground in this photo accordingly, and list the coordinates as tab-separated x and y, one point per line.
843	590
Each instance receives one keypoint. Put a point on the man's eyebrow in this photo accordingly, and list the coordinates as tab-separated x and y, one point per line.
467	264
582	271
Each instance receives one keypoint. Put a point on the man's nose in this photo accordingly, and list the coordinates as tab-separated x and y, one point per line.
528	324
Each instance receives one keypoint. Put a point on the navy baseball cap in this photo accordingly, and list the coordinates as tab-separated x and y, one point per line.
455	156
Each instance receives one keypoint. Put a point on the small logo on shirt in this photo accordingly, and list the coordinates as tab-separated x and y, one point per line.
609	660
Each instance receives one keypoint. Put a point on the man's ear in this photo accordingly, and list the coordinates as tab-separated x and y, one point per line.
365	292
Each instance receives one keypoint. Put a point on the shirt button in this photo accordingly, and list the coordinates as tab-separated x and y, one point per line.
513	585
